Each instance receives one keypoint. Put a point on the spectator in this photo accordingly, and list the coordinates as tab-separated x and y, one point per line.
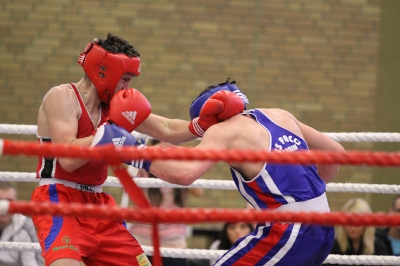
16	228
171	235
230	233
391	235
357	240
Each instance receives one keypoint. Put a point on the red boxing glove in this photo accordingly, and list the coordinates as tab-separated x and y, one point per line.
232	105
221	106
129	108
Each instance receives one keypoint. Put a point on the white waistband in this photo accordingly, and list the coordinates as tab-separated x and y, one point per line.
318	204
83	187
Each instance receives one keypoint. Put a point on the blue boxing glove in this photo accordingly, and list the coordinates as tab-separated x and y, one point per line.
111	133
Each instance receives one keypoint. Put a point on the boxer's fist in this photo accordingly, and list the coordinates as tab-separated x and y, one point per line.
231	102
129	108
111	133
219	107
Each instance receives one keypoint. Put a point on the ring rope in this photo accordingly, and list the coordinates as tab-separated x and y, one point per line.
18	129
145	182
114	155
341	136
198	215
215	254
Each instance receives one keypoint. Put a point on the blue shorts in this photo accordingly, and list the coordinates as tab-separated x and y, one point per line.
281	244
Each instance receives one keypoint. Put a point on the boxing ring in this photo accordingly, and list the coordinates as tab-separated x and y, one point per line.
145	213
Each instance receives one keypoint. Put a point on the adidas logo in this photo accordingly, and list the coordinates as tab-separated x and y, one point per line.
130	116
118	142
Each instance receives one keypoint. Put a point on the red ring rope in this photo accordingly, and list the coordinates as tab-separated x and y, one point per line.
115	155
196	215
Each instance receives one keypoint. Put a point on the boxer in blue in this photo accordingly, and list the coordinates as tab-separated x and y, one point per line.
280	187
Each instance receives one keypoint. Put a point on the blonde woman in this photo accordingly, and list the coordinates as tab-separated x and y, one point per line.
357	240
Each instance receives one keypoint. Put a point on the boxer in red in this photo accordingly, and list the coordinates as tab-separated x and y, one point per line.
70	114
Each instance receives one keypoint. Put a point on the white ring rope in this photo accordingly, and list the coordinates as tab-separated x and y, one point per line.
212	184
18	129
341	137
364	136
215	254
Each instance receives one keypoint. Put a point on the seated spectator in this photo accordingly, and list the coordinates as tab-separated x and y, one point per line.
391	235
16	228
230	233
357	240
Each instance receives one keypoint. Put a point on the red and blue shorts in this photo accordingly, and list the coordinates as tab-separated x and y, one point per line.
92	241
281	244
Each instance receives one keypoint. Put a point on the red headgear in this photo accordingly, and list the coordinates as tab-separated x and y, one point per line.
105	68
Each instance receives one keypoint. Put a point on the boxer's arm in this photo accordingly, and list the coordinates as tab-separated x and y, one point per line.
61	110
131	101
165	129
219	107
319	141
183	172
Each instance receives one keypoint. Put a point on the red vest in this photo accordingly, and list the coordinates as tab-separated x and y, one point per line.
91	173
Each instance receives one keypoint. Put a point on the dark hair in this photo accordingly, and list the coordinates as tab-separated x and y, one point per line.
216	85
116	44
394	201
225	243
155	195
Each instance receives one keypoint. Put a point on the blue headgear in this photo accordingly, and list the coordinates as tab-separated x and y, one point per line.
197	104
